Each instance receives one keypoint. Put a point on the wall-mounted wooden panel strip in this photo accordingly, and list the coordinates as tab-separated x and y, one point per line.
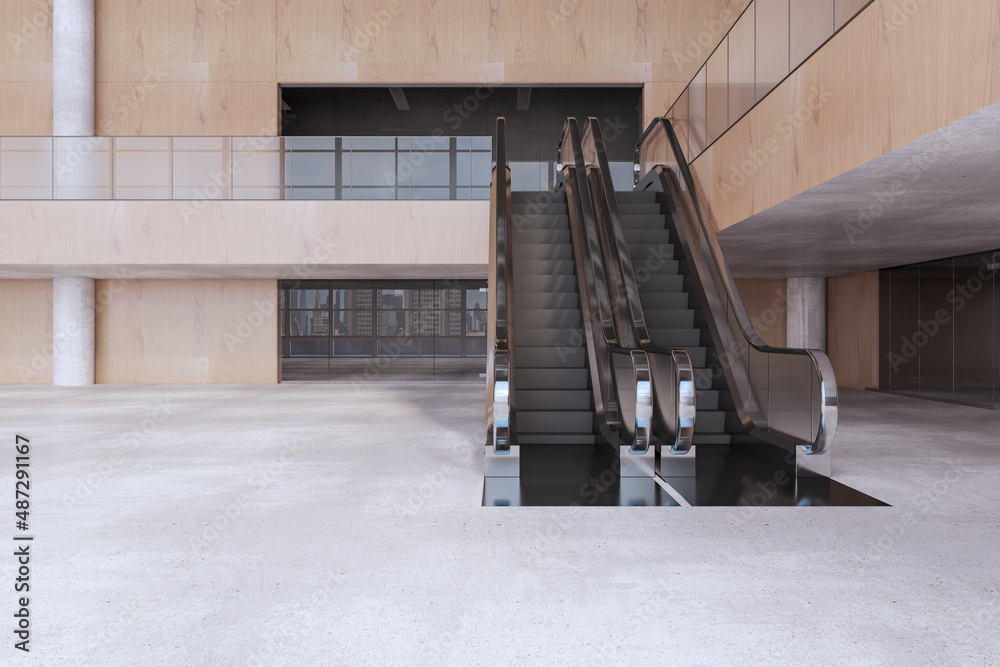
26	340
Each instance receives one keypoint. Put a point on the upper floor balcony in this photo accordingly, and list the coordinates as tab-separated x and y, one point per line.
261	168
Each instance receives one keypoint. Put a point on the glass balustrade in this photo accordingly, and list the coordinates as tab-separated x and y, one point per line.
251	168
769	40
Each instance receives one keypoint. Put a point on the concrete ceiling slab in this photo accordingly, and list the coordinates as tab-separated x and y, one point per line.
936	197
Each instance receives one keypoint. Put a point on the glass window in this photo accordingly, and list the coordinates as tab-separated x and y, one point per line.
352	323
393	298
430	169
846	9
316	347
741	65
27	168
311	169
698	114
771	44
309	298
717	115
83	167
476	298
810	24
373	169
309	323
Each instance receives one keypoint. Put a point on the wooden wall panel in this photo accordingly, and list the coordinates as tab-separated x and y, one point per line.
186	68
852	329
897	72
766	302
427	31
25	67
187	331
25	331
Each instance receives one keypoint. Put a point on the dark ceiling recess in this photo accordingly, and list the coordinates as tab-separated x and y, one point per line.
535	116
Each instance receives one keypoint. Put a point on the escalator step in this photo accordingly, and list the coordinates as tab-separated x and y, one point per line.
676	337
651	251
528	236
710	421
546	337
552	399
629	208
550	439
551	378
707	399
536	210
543	267
568	318
542	283
546	300
669	319
646	236
660	283
711	439
658	300
637	222
541	251
550	357
634	197
524	221
555	421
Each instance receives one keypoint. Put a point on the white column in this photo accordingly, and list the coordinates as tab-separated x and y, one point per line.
72	332
73	116
807	313
73	68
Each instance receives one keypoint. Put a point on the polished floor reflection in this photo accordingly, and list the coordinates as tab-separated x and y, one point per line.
727	476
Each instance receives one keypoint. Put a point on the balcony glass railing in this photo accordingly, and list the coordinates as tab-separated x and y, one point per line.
267	168
769	41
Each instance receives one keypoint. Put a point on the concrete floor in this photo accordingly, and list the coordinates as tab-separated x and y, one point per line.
340	524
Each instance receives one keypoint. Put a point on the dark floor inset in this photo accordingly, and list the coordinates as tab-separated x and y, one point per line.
383	369
727	476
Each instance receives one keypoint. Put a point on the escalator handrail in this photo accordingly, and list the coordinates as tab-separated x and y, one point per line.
677	416
501	430
821	364
621	256
675	419
503	226
572	129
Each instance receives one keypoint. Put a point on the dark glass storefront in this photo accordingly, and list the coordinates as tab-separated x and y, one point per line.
938	330
370	331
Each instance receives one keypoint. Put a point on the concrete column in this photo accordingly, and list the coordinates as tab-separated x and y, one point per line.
73	68
807	313
73	96
73	332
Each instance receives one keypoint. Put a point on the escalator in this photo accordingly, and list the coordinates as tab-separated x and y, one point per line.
568	389
619	331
